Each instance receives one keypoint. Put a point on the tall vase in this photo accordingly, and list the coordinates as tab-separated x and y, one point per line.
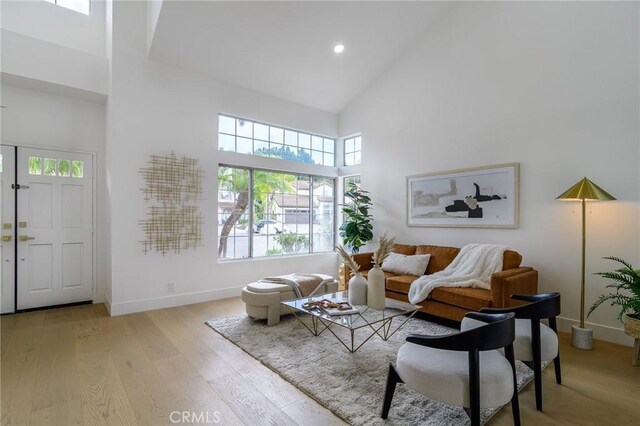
375	289
358	290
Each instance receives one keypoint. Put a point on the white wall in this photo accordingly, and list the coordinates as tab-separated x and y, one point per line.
46	47
51	67
57	25
155	109
43	120
553	86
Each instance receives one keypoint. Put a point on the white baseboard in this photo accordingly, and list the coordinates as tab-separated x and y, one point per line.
141	305
107	304
600	332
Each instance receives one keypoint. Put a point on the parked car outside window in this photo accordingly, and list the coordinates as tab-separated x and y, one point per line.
268	227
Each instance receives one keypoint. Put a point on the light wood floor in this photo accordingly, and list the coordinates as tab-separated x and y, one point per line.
79	366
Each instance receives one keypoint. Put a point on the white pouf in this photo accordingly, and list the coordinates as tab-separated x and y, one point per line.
262	299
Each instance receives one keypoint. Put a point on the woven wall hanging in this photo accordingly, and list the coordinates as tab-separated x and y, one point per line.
173	187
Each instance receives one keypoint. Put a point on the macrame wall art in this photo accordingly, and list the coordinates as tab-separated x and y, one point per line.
173	187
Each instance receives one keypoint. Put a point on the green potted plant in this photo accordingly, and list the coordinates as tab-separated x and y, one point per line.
357	228
626	282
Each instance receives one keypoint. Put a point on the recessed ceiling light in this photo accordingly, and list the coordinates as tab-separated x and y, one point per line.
338	48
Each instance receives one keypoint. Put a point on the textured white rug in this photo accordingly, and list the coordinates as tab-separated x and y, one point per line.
349	384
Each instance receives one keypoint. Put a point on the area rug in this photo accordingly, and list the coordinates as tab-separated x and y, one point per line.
351	385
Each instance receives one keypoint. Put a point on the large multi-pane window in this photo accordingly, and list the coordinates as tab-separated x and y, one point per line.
352	151
269	213
254	138
82	6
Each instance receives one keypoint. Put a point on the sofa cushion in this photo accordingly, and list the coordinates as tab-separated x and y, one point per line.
401	264
441	256
400	283
406	249
470	298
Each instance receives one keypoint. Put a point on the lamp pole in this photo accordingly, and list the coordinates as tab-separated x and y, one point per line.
584	244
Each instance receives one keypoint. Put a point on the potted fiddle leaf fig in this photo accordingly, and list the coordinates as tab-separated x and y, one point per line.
357	228
626	283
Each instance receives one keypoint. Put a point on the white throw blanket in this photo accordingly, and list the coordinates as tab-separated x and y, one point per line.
304	285
472	267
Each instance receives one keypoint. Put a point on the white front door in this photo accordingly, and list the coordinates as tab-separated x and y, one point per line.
7	245
55	227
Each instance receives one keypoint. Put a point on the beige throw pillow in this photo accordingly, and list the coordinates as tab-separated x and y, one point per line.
401	264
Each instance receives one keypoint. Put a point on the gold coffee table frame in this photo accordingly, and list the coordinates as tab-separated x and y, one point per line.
378	321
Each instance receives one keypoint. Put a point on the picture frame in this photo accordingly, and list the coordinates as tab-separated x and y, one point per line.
478	197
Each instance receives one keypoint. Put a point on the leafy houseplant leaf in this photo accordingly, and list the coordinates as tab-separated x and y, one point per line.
626	282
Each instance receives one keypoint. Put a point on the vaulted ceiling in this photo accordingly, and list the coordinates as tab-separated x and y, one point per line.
285	49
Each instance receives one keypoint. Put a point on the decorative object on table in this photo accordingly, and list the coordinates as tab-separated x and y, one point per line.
357	283
173	186
356	230
583	191
479	197
358	289
349	385
331	307
625	278
375	277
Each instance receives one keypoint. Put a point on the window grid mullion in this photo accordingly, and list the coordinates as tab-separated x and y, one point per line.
312	190
250	208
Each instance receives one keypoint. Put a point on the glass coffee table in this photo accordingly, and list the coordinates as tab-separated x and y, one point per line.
369	321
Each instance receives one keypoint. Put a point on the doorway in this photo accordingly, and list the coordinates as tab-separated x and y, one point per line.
47	228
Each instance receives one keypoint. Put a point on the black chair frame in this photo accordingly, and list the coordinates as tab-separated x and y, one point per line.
540	306
498	333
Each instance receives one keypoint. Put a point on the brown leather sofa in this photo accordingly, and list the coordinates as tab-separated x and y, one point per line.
453	302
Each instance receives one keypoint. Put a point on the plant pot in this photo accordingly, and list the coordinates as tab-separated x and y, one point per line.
358	290
375	290
632	328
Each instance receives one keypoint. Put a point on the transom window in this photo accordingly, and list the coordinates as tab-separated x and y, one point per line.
82	6
254	138
55	167
352	151
268	213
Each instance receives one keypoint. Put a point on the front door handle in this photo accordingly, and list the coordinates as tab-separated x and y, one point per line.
25	238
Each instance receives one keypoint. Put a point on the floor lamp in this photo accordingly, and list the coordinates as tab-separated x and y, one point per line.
585	190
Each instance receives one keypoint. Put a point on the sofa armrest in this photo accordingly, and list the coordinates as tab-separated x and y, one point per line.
523	280
362	259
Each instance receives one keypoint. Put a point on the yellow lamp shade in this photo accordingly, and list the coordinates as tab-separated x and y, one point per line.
585	190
